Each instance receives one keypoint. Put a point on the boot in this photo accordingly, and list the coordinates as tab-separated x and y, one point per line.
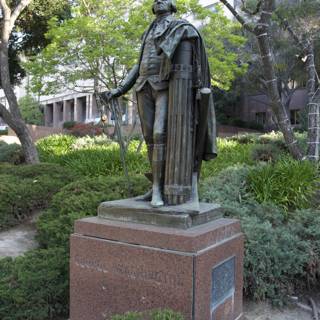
158	165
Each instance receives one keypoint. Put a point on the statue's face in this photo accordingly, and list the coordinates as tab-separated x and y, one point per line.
161	6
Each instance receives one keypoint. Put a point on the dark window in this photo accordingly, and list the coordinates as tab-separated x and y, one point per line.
261	118
294	116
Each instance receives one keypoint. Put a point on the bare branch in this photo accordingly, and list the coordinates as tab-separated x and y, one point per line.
18	9
244	23
251	13
5	8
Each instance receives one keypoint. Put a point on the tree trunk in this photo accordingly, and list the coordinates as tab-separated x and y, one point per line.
13	116
261	31
262	34
19	127
313	107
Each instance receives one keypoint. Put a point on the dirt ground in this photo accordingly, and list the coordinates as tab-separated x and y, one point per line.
264	311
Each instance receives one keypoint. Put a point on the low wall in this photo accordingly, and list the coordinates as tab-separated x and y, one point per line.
38	132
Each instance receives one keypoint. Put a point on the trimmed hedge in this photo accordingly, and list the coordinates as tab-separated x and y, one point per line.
24	189
81	199
34	286
11	153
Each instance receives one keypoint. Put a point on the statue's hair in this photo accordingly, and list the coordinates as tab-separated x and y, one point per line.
173	7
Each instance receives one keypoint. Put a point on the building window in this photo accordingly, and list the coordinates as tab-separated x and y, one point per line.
294	116
261	118
212	7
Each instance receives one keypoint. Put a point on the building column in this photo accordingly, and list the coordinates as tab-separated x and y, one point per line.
56	111
46	116
77	111
65	110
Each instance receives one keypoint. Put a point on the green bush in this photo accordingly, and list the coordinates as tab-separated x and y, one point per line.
151	315
306	224
91	156
27	188
3	132
288	183
90	142
280	254
229	153
275	258
266	152
11	153
80	199
34	286
69	124
244	138
50	148
31	110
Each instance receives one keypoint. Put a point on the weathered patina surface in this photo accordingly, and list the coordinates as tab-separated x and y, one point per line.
175	105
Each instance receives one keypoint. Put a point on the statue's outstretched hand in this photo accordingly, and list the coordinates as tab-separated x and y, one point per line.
108	95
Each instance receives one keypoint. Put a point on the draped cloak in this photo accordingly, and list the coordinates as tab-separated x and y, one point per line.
167	41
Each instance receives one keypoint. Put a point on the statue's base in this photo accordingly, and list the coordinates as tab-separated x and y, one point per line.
183	216
119	266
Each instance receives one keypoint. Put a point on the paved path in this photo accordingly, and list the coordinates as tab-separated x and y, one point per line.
263	311
18	240
9	139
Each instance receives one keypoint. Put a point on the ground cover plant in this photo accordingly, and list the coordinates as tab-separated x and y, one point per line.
282	240
152	315
27	188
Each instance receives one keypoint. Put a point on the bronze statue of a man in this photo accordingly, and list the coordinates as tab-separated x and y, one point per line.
175	104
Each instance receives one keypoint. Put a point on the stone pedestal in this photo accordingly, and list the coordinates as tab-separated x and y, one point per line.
120	266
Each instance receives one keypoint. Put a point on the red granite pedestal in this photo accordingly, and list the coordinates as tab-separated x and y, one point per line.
120	266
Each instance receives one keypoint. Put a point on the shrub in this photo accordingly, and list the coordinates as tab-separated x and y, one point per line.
11	153
50	148
280	254
30	110
306	224
27	188
3	132
275	259
34	286
91	156
266	152
91	142
288	183
230	153
80	199
244	138
85	129
151	315
69	124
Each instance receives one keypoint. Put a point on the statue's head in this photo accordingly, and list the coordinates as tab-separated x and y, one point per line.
163	6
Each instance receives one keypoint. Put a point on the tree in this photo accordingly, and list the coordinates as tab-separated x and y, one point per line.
13	116
301	21
260	28
31	110
21	25
102	42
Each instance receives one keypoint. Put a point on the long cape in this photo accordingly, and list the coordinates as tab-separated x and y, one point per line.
167	40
